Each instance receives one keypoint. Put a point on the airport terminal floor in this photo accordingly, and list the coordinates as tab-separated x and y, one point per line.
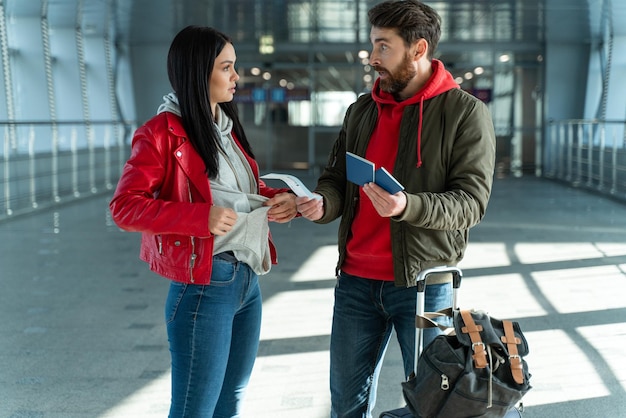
82	332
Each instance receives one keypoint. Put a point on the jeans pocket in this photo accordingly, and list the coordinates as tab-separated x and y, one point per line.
223	272
174	298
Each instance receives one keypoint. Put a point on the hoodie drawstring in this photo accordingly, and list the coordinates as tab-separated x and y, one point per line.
419	134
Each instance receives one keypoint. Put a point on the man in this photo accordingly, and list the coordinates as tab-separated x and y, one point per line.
439	142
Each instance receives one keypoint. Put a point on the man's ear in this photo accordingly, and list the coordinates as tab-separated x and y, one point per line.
420	48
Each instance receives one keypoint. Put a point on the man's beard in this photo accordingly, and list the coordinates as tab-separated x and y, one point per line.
395	82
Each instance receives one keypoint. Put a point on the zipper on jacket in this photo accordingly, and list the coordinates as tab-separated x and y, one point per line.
192	260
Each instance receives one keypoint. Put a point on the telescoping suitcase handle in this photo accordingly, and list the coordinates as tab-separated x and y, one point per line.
419	307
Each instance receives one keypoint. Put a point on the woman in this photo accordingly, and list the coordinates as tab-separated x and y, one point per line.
191	187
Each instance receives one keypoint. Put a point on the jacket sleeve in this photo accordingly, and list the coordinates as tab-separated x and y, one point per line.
463	201
152	194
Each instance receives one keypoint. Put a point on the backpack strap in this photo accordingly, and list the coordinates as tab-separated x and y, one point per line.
427	320
478	347
511	342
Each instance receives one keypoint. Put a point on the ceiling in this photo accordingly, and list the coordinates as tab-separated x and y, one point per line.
320	39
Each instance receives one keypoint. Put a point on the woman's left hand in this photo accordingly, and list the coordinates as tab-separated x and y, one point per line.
283	207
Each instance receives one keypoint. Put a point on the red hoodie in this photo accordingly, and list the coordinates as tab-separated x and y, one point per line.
368	252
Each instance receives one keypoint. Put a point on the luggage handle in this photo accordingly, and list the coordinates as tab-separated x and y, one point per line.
419	306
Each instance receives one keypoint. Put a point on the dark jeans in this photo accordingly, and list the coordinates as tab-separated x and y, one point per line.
365	314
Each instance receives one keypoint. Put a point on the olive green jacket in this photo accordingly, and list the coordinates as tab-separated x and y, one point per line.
446	196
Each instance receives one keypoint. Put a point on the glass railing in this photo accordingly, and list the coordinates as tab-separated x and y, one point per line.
46	163
587	153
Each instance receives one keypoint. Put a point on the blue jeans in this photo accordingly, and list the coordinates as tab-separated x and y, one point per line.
213	334
365	314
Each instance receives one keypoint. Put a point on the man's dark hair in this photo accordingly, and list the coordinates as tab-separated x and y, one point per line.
189	66
411	18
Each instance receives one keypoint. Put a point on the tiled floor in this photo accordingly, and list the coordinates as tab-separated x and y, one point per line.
82	331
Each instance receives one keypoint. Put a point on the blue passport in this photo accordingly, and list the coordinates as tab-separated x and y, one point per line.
361	171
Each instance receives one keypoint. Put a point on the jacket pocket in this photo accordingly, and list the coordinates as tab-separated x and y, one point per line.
175	250
434	245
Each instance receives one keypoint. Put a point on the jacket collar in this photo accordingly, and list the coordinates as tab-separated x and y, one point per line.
175	124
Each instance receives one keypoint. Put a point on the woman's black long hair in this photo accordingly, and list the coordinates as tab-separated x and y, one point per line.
189	66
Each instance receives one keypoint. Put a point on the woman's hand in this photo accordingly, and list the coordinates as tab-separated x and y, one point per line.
311	208
221	220
283	207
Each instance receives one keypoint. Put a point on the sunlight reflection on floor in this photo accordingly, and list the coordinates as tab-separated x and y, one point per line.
296	384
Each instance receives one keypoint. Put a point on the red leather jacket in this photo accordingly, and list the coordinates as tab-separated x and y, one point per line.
164	193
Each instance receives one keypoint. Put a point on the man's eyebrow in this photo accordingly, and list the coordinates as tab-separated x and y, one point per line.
381	39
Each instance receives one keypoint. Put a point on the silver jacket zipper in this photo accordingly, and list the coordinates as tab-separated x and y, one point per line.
192	261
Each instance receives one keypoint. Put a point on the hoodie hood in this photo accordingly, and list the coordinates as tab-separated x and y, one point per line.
170	104
223	124
439	82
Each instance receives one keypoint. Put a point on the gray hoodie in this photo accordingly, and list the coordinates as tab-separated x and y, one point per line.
235	187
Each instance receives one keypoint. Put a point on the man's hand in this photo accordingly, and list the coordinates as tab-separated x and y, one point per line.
310	208
283	207
387	205
221	220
